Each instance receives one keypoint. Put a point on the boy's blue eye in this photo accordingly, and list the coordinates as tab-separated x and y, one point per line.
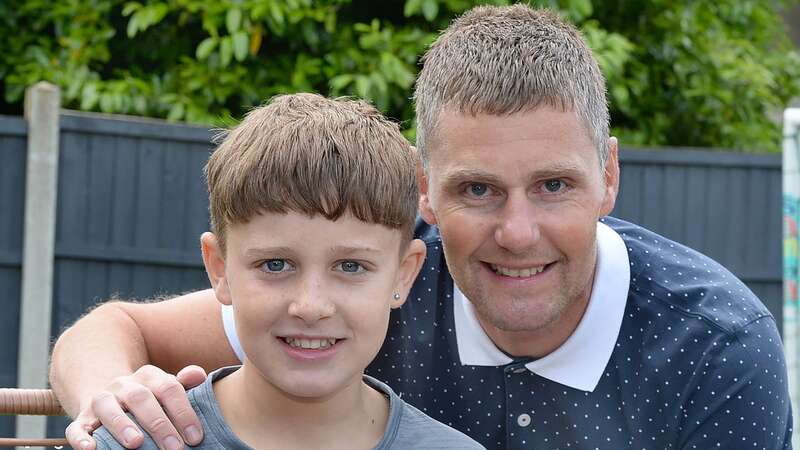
275	265
350	266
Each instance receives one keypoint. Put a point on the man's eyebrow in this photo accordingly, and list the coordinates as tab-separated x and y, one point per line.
462	175
559	170
556	170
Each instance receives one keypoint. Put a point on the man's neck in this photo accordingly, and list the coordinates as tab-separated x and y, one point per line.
265	417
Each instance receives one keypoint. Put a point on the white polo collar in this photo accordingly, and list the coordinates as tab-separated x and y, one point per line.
581	360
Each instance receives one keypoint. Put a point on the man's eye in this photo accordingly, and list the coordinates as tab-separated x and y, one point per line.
553	186
477	189
276	265
350	267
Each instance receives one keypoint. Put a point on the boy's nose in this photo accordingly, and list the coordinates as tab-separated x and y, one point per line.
312	304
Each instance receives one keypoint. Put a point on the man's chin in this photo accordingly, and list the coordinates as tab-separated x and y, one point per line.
515	318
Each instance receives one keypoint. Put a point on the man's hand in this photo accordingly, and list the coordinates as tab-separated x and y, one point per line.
155	398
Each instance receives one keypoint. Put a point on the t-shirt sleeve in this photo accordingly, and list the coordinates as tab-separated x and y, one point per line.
740	396
230	331
105	441
419	431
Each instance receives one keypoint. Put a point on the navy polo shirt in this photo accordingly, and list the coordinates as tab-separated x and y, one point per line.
682	356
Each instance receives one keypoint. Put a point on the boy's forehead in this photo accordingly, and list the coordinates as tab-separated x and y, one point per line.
295	230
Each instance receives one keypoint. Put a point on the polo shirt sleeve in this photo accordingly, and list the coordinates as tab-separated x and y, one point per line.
739	396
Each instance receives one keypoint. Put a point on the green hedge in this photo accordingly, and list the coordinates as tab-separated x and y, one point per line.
682	72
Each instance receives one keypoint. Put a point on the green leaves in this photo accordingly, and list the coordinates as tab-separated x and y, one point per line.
233	20
240	45
701	73
143	17
679	72
206	47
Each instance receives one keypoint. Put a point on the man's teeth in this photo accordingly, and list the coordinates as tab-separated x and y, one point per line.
310	343
517	273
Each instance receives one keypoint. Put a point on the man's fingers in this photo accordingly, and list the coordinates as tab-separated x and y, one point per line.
172	396
142	403
107	408
191	376
78	432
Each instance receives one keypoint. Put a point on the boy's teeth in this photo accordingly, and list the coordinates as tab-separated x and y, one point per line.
310	343
517	273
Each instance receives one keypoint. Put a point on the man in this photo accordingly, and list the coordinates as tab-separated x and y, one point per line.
544	328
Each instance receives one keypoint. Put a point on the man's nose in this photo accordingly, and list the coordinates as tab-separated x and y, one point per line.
517	228
313	302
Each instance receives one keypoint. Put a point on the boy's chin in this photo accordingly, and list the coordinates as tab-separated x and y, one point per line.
315	389
311	385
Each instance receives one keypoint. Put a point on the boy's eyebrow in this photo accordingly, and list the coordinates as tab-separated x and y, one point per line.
350	250
255	252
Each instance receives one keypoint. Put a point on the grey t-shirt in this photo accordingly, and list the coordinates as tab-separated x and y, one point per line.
407	427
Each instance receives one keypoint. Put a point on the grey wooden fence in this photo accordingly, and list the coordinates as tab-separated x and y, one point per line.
12	187
132	205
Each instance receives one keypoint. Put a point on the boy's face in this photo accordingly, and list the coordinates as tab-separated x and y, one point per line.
311	297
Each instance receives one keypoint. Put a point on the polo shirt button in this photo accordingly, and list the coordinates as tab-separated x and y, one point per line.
523	420
520	370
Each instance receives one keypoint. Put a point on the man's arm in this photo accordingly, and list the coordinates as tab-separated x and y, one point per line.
741	397
97	367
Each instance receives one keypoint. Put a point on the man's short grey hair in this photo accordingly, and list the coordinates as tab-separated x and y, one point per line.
504	60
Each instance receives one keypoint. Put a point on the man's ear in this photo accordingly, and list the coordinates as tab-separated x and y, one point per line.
425	210
214	260
410	264
611	178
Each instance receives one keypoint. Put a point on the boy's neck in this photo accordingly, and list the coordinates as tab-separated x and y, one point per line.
265	417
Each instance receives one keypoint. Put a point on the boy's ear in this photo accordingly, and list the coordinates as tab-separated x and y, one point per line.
410	264
425	210
214	261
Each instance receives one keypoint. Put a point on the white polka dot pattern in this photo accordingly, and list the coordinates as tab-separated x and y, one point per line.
698	364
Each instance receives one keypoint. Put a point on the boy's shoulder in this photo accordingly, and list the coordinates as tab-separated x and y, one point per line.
410	428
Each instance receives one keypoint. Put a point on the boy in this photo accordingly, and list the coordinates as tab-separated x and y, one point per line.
312	205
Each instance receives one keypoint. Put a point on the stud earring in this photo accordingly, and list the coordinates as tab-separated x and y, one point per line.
396	296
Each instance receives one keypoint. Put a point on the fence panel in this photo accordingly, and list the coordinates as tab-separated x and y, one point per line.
725	205
132	205
13	153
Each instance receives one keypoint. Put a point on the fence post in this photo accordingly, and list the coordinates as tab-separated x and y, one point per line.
42	104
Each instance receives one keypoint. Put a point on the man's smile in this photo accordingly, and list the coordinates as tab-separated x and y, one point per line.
518	272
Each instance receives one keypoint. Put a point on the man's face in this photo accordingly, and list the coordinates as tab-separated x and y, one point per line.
517	199
311	296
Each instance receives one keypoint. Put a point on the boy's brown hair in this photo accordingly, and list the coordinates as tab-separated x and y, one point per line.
313	155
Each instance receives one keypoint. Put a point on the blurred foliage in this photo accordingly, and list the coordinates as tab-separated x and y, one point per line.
680	72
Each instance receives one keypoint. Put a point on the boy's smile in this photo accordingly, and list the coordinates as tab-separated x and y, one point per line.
311	296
